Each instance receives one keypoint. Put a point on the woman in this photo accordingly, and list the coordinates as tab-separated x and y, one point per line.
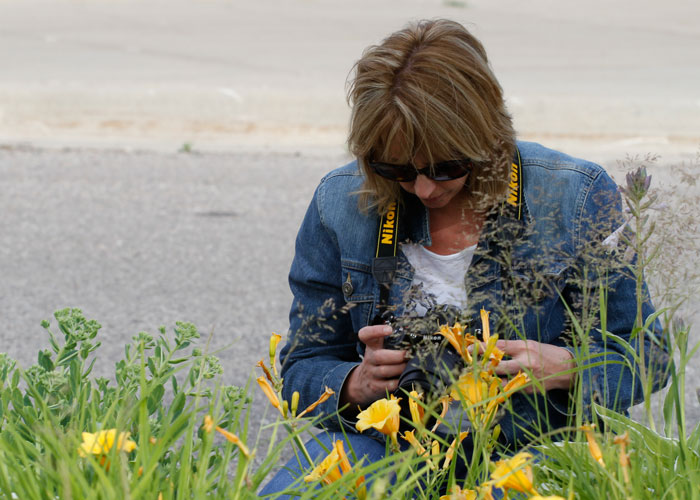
483	222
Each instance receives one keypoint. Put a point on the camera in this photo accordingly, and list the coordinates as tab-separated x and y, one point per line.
433	363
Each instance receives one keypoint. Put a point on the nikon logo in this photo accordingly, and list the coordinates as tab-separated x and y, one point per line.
514	185
389	225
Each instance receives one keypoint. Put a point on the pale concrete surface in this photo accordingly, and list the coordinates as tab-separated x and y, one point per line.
138	235
227	74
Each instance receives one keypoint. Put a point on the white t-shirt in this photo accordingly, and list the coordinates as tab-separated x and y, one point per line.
441	276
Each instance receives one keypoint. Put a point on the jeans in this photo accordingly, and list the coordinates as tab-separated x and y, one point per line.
362	446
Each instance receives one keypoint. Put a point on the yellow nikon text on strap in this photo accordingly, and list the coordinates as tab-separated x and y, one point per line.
515	187
389	226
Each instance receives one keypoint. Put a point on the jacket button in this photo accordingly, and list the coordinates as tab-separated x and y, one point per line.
347	287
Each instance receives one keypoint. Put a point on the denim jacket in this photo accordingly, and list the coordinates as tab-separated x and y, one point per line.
534	274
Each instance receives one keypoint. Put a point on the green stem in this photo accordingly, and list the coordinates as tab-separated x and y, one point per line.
291	429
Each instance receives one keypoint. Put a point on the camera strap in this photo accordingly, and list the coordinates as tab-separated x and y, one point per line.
513	205
385	261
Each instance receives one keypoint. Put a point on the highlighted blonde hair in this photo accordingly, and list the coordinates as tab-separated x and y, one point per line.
428	90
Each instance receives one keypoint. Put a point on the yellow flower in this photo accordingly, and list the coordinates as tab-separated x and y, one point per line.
295	403
323	398
411	438
486	331
274	340
328	470
231	437
208	423
593	444
473	389
333	467
261	364
382	415
451	450
514	474
99	443
492	354
270	393
460	494
445	402
623	441
459	340
514	384
417	411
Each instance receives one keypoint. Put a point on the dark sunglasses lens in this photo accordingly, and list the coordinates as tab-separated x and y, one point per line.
400	173
443	171
449	170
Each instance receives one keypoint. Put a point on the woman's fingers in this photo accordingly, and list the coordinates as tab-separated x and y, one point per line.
373	336
509	367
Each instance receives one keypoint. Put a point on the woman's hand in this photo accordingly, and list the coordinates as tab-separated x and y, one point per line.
379	371
541	360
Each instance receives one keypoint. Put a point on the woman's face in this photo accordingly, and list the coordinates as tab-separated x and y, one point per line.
435	194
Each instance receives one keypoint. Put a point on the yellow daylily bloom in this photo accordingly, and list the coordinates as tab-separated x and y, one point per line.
593	447
261	364
451	450
333	467
435	448
382	415
208	423
520	380
417	411
270	393
411	438
295	403
328	470
492	354
623	441
445	402
486	331
473	389
231	437
327	393
458	339
99	443
460	494
514	474
274	340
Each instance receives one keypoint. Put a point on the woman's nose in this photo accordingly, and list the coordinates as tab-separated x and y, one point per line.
424	187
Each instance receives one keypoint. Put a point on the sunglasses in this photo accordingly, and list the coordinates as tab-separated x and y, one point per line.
442	171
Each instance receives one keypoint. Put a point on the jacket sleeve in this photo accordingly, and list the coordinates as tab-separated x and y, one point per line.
610	373
321	348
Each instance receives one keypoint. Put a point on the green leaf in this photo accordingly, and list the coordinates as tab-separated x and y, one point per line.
66	357
152	366
669	402
666	449
178	360
44	360
177	406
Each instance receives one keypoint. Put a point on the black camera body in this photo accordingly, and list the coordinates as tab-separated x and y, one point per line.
433	363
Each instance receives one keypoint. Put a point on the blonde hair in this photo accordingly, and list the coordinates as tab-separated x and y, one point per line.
429	89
